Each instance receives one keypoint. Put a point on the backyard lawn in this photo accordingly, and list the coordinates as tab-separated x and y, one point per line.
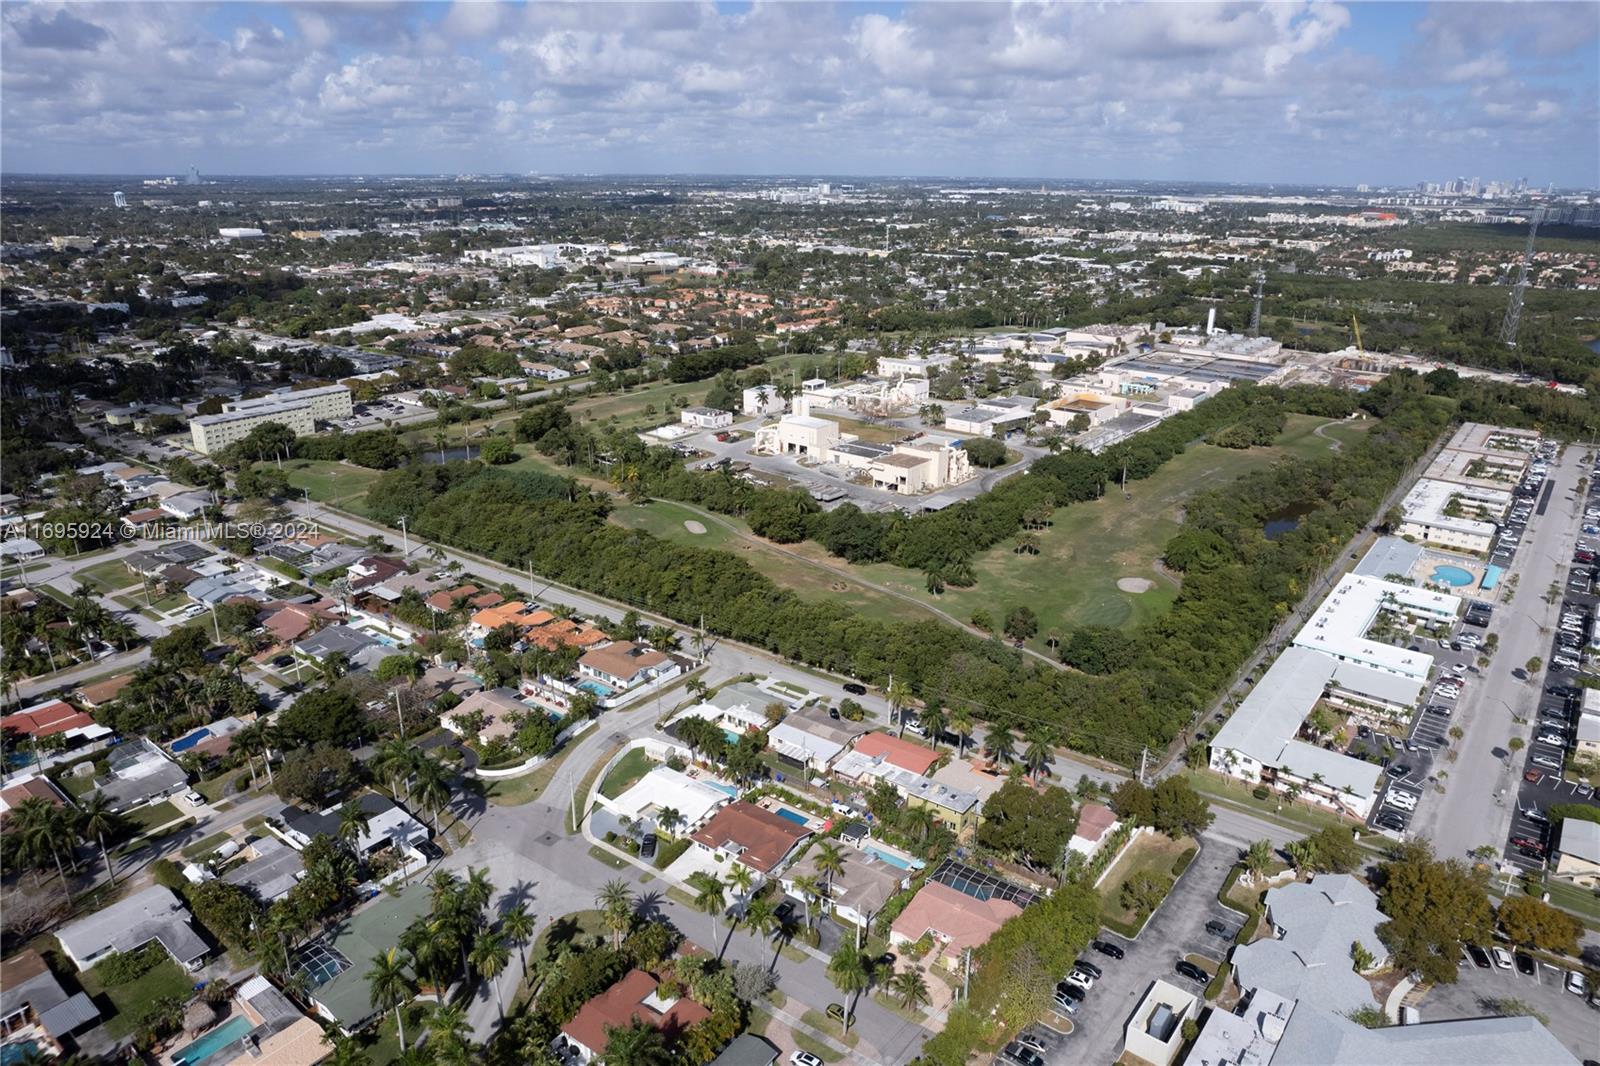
1153	853
625	774
128	1001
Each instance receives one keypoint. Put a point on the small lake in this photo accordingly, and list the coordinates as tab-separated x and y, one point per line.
1594	345
1280	522
450	455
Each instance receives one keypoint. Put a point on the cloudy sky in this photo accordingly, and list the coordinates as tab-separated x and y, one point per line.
1285	92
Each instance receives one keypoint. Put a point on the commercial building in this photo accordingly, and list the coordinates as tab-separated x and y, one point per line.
761	400
1578	852
798	435
1339	626
993	417
912	469
705	418
154	914
1309	958
1248	1034
298	411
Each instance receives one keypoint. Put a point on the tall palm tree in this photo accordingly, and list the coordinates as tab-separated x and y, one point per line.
346	1052
909	987
1001	743
353	821
98	820
762	919
519	927
829	861
491	954
668	819
638	1044
961	723
711	895
250	742
899	694
847	969
615	903
449	1032
1036	756
741	877
809	889
934	722
478	890
389	986
43	831
395	760
432	788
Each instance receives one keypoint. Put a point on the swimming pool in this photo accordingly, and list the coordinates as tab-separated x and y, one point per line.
1454	576
184	743
892	859
733	738
229	1032
18	1052
595	688
727	789
791	816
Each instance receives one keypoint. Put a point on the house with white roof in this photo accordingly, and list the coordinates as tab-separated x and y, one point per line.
662	789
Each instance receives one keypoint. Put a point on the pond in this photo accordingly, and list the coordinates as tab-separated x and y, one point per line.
1280	522
450	455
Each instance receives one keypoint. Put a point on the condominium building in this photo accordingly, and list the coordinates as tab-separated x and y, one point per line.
299	411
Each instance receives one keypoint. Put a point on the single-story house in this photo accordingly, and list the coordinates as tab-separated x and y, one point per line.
1096	823
747	1049
17	793
632	999
750	835
342	995
625	664
388	824
52	718
103	692
897	751
857	892
956	921
277	1033
809	739
153	914
140	773
31	995
270	870
664	788
497	705
187	505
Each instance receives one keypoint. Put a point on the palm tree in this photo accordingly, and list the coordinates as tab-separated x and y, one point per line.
762	919
249	742
490	956
638	1044
353	821
519	927
43	831
741	877
1036	756
395	760
848	971
829	861
448	1032
809	889
910	988
1001	744
389	986
477	890
711	895
934	722
961	724
432	788
97	819
1258	858
615	903
898	693
668	819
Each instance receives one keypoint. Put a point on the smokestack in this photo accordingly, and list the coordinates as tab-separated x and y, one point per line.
1211	321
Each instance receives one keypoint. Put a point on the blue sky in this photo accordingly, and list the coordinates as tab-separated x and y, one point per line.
1286	92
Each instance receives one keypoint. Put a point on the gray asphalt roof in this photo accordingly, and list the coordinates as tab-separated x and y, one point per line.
1318	1037
1311	961
153	914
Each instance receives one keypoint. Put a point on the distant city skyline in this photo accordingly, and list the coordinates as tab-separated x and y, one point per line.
1376	94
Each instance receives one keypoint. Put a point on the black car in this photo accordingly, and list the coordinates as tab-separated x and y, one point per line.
1525	964
430	851
1088	967
855	689
1217	927
1392	822
1185	968
647	846
1015	1052
1399	769
784	911
283	660
1109	950
1072	992
1480	958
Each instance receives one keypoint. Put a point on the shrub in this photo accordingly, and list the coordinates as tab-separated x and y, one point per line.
1181	863
167	875
1261	792
121	967
1219	982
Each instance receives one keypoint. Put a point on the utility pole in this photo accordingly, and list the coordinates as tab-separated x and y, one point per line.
1144	756
530	580
1255	308
400	714
1508	328
405	536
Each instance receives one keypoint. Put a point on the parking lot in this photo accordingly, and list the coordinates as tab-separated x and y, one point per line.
1177	929
1559	699
1573	1021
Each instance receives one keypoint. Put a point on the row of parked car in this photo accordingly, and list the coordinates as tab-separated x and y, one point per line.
1500	959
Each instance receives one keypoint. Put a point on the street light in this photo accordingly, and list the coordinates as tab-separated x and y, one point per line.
405	536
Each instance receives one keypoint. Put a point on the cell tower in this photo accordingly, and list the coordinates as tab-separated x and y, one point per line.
1508	328
1255	308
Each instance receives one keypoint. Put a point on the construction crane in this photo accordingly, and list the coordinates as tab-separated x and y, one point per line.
1508	328
1357	327
1255	308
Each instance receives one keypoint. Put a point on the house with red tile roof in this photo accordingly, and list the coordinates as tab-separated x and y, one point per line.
1096	823
446	599
52	718
898	752
751	835
635	998
954	920
14	796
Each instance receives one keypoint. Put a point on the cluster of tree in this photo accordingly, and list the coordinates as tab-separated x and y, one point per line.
1258	428
51	635
1028	825
1172	807
697	366
985	451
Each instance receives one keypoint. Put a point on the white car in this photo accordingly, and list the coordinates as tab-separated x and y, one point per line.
804	1058
1502	958
1547	762
1404	800
1552	738
1079	979
1566	663
1576	983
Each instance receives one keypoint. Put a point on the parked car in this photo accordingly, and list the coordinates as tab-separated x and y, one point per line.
1108	949
1088	967
1525	965
1217	927
647	846
1577	984
1066	1004
1185	968
1547	762
855	689
1502	958
1079	979
1024	1056
804	1058
836	1012
1480	958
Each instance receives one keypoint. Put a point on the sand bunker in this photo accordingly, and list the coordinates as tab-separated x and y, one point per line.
1134	584
694	527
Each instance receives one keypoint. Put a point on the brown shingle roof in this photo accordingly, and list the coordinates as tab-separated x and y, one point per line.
763	837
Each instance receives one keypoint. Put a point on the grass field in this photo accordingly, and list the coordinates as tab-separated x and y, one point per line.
629	769
340	484
1155	854
109	576
128	1001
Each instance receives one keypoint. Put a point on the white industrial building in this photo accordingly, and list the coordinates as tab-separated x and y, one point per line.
761	400
705	417
925	364
1339	626
993	417
299	411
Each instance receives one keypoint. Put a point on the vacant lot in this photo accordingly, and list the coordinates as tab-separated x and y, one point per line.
339	484
1155	854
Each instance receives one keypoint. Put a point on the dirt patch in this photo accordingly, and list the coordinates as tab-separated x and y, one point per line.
1134	584
697	528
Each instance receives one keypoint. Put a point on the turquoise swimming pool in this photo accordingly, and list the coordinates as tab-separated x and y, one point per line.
893	859
229	1032
791	816
1454	576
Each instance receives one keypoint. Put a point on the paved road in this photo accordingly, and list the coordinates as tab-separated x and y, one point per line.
1480	790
